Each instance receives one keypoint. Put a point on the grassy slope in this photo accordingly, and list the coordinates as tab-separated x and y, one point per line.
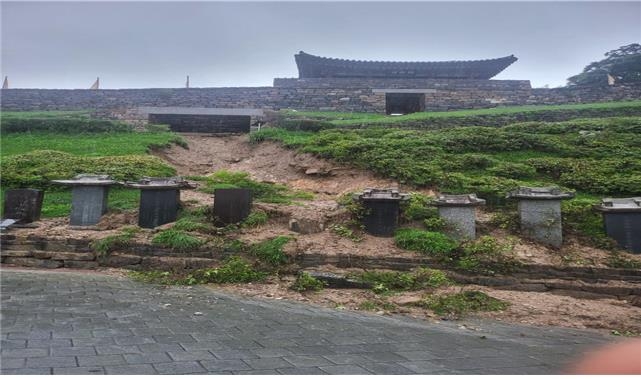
57	202
102	144
353	119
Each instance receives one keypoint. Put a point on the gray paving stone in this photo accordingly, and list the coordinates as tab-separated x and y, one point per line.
272	352
215	365
78	342
301	371
58	342
118	349
307	361
73	313
79	371
234	354
24	353
345	370
386	368
159	357
179	368
347	359
159	347
142	369
190	355
133	340
16	344
310	350
49	362
268	363
196	346
256	372
173	338
384	357
26	371
8	363
64	351
102	360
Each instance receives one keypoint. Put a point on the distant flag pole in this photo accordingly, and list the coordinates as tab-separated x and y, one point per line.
187	83
96	84
5	84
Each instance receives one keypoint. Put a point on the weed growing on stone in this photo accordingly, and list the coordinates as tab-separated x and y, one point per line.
417	208
487	256
435	244
345	231
177	240
462	303
271	251
106	245
422	278
305	283
265	192
234	270
617	260
255	219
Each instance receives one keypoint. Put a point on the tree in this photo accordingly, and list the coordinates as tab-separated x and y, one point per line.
623	65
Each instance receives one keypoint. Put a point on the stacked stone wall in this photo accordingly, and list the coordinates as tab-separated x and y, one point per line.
347	95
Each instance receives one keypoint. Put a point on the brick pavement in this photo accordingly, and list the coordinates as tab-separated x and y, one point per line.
86	323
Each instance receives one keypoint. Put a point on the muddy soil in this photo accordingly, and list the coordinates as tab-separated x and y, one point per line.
532	308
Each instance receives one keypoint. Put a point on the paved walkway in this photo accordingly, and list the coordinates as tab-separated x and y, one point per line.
84	323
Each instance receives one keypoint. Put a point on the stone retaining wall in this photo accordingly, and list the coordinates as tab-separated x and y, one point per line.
40	252
354	95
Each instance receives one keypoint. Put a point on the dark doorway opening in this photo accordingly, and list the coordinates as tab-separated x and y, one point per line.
404	103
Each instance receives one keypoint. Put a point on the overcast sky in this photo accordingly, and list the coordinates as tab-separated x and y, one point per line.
219	44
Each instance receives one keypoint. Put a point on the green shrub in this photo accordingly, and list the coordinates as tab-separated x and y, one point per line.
265	192
435	224
462	303
255	219
305	282
177	240
345	231
271	251
61	124
106	245
431	243
617	260
486	255
513	170
234	270
304	124
579	217
417	207
38	168
421	278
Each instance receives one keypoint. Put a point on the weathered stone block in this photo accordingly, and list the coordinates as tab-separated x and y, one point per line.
73	256
306	226
163	263
88	204
121	260
16	253
81	264
23	204
33	262
199	263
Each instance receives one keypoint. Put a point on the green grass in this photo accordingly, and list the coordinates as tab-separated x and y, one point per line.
177	240
261	191
462	303
93	145
369	119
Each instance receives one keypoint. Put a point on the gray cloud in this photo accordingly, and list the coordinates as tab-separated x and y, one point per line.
155	44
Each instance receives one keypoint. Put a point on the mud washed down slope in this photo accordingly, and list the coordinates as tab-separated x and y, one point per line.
268	161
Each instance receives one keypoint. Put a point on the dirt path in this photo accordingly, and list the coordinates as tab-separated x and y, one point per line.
268	162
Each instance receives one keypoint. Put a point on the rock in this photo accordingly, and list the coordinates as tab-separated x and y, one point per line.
306	226
121	260
198	313
32	262
81	264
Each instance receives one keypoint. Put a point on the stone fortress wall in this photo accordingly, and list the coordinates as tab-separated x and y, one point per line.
325	94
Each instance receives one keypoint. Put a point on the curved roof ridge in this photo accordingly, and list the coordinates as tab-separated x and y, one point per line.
412	62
